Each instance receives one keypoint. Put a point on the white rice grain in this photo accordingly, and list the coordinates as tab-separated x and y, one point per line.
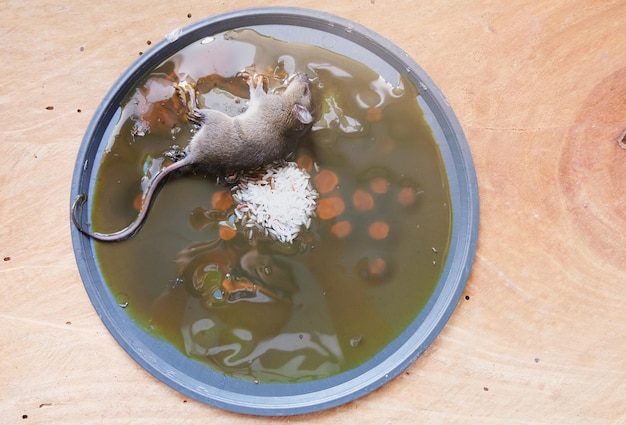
279	204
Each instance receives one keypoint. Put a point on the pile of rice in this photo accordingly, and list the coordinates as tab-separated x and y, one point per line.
279	204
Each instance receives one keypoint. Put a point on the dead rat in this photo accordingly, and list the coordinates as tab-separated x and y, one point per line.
266	132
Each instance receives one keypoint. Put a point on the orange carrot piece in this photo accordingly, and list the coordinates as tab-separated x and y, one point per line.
305	162
378	230
341	229
138	201
226	232
374	114
377	267
221	200
407	196
379	185
331	207
362	200
325	181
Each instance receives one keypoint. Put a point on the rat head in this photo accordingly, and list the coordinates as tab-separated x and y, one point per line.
298	97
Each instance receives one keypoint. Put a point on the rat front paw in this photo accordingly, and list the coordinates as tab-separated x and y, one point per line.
187	94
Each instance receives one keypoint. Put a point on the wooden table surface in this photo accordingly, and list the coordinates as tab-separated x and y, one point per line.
539	336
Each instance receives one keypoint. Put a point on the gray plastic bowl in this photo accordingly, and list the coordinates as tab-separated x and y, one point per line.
197	380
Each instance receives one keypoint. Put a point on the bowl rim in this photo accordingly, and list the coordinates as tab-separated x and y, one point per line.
246	397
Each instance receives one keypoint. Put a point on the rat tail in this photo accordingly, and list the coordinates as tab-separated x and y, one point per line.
131	229
120	235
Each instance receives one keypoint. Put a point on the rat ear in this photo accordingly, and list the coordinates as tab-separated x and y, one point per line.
303	114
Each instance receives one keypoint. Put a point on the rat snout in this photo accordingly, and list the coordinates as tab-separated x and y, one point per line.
300	77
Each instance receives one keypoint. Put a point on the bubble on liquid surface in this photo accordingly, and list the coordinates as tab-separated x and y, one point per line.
354	342
122	299
174	131
217	295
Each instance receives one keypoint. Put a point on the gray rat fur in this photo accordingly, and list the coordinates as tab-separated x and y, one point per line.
266	132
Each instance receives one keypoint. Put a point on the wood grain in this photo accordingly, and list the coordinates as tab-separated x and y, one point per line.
540	90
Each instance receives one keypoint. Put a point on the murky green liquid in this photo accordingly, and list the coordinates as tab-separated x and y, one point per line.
321	306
